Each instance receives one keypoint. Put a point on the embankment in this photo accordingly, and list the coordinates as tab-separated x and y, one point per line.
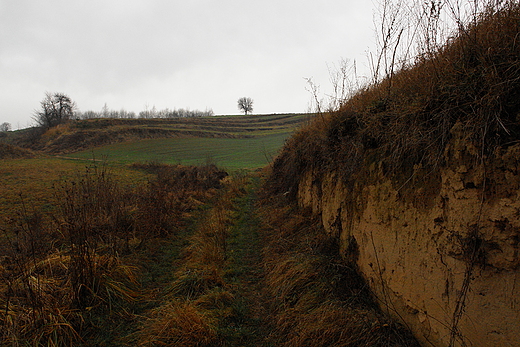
418	178
441	256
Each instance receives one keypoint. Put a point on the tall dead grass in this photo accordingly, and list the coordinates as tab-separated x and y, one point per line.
172	195
472	81
198	301
63	271
178	324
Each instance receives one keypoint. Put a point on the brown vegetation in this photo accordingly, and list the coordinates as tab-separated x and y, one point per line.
317	298
60	273
306	294
452	108
68	278
199	302
406	120
77	135
14	152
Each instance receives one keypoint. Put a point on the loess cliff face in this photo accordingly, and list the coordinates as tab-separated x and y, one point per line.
439	250
418	177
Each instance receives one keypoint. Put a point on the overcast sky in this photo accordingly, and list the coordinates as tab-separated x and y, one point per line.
196	54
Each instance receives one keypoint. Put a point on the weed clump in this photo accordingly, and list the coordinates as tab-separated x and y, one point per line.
179	324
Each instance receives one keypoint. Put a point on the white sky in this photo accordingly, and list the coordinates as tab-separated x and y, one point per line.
194	54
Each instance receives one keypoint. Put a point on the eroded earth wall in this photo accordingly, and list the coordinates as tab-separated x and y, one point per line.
441	256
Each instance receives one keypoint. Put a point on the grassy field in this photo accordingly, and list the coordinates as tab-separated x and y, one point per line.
33	182
228	153
231	142
255	125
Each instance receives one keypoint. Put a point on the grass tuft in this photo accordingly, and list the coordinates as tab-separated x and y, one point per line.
178	324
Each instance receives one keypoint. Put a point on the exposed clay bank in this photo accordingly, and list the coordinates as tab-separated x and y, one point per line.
441	255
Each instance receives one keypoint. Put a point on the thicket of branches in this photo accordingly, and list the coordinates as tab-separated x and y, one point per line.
56	108
146	114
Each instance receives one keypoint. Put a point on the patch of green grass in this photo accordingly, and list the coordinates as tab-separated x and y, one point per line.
248	326
229	153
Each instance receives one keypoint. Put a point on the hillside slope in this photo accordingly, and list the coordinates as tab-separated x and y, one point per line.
418	179
91	133
11	152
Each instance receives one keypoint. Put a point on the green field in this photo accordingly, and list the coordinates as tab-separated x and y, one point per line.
232	153
230	142
33	183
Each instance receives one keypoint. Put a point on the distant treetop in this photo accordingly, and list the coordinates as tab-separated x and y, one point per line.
245	105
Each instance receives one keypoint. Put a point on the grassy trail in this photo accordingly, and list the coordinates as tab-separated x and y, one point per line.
208	282
244	273
205	267
226	281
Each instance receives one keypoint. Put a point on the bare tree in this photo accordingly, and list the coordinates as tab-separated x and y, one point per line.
5	127
56	108
245	105
105	111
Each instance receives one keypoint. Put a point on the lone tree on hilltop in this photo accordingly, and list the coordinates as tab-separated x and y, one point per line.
56	108
245	105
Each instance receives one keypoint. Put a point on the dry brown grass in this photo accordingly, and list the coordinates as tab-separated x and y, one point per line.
191	316
10	152
178	324
38	297
317	298
198	300
406	120
176	191
78	264
335	325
